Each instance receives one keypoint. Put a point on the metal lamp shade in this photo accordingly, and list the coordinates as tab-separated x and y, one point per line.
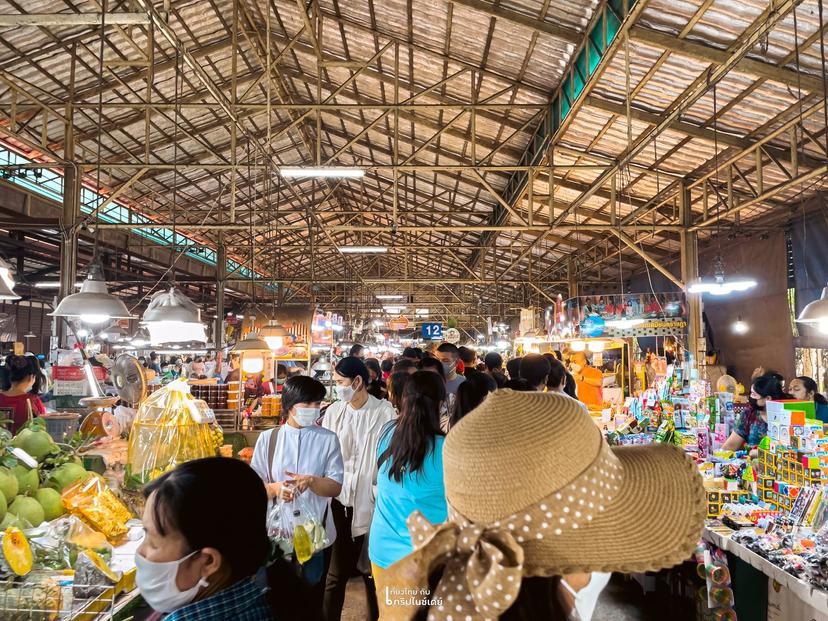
252	344
816	311
7	282
274	334
171	317
93	303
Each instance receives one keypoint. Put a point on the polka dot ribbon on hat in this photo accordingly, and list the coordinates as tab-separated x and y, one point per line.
482	569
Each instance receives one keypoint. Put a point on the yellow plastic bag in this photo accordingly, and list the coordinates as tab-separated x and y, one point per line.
170	428
94	503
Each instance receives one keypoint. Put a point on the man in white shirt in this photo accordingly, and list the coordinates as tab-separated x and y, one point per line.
357	419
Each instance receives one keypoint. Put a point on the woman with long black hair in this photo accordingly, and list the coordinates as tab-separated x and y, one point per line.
753	423
805	388
410	476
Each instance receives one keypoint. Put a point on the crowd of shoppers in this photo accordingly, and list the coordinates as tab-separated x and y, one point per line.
401	472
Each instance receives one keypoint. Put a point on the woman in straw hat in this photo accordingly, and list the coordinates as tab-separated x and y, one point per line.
535	518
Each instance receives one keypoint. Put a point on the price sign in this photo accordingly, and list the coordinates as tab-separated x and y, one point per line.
432	331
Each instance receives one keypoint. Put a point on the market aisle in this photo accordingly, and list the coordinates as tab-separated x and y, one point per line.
621	601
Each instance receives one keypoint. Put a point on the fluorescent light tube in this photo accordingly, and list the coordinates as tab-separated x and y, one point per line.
363	249
322	172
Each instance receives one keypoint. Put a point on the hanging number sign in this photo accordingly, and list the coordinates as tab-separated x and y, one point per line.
432	331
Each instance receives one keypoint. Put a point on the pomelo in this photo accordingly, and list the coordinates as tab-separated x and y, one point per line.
52	505
8	483
38	444
28	509
27	479
65	475
9	520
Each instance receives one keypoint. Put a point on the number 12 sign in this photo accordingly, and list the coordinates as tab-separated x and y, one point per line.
432	331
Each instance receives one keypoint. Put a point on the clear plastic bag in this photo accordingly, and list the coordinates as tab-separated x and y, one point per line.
295	529
170	428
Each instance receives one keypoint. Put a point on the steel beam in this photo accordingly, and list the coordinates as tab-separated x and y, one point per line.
68	20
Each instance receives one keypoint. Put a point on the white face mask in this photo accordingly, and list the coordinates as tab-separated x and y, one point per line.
586	598
305	417
157	584
345	393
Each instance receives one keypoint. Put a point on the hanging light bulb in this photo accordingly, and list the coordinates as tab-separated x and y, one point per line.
274	334
172	317
253	350
720	286
596	347
93	304
740	327
577	345
7	282
816	313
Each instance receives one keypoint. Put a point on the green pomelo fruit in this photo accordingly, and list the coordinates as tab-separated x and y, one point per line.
8	483
52	505
28	509
27	479
66	475
38	444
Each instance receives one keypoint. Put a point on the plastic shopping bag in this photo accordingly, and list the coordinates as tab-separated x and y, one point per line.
170	428
295	530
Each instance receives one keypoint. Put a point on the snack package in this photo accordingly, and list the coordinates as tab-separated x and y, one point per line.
96	504
170	428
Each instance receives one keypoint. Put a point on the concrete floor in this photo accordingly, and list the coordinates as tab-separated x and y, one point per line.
620	601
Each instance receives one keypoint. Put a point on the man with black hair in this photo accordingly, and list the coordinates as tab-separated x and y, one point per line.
448	355
468	356
513	368
404	364
154	364
415	354
357	351
494	367
534	369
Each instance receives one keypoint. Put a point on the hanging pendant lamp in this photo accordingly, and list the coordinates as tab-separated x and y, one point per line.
7	282
816	313
274	334
253	349
172	317
720	285
93	304
141	338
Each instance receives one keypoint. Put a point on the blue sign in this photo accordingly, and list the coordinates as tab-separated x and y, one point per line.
432	331
593	325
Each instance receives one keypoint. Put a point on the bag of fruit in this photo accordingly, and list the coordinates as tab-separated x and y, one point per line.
171	427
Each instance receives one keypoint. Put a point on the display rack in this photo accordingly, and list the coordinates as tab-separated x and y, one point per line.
808	593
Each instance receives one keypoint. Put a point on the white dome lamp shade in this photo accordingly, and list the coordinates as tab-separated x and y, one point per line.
816	313
7	282
93	304
253	349
274	334
172	317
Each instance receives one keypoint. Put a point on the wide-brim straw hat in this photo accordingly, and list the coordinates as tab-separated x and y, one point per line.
534	490
628	509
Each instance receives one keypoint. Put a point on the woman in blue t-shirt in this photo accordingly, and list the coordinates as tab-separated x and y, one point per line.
410	475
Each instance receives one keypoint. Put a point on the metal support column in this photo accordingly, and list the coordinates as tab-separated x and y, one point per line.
221	276
689	273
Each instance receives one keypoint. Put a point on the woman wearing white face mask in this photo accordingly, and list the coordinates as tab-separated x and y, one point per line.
199	556
303	458
357	419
